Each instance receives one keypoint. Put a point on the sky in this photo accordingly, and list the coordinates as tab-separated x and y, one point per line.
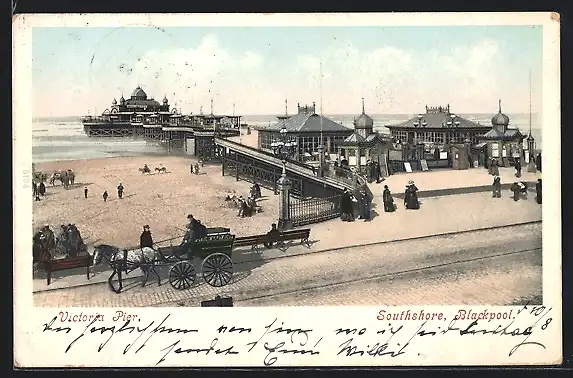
397	69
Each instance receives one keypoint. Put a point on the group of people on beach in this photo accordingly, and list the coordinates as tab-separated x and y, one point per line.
194	168
38	189
247	206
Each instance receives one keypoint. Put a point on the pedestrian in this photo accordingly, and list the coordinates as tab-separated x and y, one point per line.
42	189
35	189
538	191
496	190
516	189
517	168
538	162
367	207
191	168
411	197
105	195
120	190
389	205
86	192
495	167
196	168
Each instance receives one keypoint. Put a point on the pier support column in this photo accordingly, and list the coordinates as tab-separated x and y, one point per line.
284	184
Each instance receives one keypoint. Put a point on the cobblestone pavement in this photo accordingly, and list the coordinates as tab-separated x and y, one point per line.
274	276
497	281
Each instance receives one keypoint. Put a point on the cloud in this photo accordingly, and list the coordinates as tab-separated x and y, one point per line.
391	79
398	80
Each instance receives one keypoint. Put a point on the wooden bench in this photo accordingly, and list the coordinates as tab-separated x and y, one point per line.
51	266
269	240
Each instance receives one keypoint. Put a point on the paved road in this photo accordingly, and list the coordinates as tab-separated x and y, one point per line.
320	269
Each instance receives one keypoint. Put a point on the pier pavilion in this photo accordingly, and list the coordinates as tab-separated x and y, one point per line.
308	130
364	145
501	142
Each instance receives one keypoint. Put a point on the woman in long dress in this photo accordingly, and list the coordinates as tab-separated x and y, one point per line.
389	206
412	202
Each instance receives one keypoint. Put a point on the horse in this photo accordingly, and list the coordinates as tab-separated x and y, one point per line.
145	170
143	259
70	241
161	169
67	178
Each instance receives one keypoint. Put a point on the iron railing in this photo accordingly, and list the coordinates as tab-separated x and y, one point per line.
303	211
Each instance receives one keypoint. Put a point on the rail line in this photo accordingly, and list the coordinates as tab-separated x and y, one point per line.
385	275
338	249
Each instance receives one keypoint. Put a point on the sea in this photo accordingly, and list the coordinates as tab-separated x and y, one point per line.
62	138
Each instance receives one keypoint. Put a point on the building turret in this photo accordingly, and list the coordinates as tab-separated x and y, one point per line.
122	100
165	102
138	94
363	124
114	102
500	121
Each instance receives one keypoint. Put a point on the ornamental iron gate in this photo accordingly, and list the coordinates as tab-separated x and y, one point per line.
303	211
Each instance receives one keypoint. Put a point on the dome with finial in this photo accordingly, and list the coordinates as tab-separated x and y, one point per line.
139	94
165	100
363	121
114	102
500	119
122	100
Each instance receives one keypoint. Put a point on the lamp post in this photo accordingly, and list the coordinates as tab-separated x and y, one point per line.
284	149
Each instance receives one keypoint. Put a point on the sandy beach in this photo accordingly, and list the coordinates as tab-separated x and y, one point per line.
161	200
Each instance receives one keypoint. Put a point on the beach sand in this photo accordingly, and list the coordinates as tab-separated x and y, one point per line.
160	200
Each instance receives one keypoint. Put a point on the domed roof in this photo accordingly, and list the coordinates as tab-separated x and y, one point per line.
363	121
122	100
500	119
165	99
114	102
138	93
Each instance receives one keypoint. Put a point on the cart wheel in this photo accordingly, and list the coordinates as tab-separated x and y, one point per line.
217	269
182	275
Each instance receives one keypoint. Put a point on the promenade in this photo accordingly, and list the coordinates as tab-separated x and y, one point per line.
513	253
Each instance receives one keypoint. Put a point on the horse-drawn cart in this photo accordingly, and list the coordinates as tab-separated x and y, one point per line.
214	250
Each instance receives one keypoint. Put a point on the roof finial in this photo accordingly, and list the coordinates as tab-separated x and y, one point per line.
363	105
499	101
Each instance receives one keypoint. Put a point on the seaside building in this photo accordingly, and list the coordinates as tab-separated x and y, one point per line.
364	144
308	130
138	108
437	126
501	142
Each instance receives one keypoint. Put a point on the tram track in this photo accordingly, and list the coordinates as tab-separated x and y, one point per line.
384	242
390	275
341	249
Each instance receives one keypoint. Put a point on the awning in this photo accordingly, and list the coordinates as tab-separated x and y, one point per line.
479	146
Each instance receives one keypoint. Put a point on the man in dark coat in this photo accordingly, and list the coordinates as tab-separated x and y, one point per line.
86	192
517	168
120	190
494	167
538	190
378	173
366	206
412	202
35	189
516	189
538	162
42	189
496	191
146	240
105	195
389	206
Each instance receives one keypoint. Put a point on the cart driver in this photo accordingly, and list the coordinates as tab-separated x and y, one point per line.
146	240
